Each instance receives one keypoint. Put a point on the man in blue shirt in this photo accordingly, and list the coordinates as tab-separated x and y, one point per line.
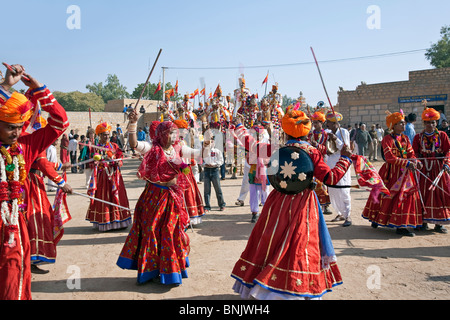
409	128
141	134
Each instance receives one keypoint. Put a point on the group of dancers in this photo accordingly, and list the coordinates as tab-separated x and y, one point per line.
289	254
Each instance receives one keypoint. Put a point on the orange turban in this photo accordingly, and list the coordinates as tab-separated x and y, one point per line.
102	127
330	116
295	123
16	109
318	116
430	114
181	123
393	118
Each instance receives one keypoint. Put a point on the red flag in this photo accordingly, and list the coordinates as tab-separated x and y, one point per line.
265	79
210	95
195	93
202	92
170	92
158	88
176	87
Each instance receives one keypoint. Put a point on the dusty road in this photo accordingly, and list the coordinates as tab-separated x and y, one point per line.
376	264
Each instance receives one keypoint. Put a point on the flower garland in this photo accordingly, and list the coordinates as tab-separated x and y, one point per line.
431	142
12	177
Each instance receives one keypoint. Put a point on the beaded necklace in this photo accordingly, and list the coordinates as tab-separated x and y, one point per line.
320	136
12	177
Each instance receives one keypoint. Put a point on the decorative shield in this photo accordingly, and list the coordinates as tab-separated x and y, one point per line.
290	170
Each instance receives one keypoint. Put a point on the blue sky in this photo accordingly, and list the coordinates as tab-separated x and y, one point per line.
124	37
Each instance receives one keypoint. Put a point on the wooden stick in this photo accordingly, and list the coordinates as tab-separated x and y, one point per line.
148	78
326	92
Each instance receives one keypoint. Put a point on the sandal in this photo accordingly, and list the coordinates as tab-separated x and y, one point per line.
239	203
338	218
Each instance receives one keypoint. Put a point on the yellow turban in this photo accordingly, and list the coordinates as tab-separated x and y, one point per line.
16	109
393	118
102	127
295	123
332	118
181	123
430	114
318	116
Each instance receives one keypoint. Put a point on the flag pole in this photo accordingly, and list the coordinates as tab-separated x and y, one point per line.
267	80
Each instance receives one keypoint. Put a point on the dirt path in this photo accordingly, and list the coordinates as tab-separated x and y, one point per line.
375	263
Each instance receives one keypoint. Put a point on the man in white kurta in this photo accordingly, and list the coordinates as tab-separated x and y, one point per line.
52	156
340	197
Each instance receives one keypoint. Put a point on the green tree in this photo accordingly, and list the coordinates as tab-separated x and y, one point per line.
287	101
439	53
112	89
149	93
78	101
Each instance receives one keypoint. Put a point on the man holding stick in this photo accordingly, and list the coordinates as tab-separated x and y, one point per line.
17	154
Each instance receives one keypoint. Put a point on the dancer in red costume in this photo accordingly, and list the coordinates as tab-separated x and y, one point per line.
402	208
64	149
106	183
318	138
157	245
40	214
17	155
435	146
289	254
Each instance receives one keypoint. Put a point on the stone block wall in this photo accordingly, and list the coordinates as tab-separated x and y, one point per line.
369	102
79	121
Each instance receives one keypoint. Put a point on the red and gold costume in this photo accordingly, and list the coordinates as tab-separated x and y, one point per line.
107	184
284	256
402	208
15	269
435	148
157	244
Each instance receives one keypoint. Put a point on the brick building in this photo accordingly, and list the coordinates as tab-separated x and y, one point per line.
369	102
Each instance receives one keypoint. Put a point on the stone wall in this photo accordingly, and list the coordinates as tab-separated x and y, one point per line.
369	102
79	121
118	105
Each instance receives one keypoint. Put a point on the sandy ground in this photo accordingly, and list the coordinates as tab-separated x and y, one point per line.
376	264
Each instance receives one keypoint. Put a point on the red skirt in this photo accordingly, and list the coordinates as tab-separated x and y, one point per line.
194	200
112	189
15	267
283	252
157	244
40	218
402	208
437	202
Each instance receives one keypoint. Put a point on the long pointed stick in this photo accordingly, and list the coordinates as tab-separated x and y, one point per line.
326	92
96	199
148	78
